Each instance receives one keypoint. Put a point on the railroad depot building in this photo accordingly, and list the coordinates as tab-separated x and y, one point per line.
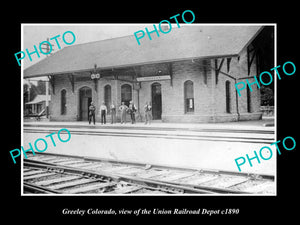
188	75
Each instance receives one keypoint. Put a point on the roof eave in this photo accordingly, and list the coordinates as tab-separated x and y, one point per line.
130	65
251	39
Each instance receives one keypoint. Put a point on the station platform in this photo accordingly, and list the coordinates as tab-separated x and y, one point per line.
266	124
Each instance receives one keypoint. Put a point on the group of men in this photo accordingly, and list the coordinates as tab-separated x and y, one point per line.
124	109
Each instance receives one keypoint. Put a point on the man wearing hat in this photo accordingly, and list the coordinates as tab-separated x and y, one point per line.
103	112
131	111
92	110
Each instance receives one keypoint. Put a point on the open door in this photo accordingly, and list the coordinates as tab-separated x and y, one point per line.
156	101
85	99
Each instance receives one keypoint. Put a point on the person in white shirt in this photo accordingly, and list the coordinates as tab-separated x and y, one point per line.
103	112
113	113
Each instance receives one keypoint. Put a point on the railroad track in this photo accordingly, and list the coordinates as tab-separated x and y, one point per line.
228	135
60	174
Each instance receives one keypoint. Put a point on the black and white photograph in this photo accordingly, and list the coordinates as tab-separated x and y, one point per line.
143	109
131	112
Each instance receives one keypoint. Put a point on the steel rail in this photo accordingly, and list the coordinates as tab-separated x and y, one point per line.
166	187
41	189
66	169
209	171
212	189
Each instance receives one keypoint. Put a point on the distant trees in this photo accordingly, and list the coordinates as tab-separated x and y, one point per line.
267	96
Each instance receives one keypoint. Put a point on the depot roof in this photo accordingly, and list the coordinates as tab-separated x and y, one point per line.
186	42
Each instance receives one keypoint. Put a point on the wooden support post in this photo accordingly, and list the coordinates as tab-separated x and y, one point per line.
218	68
213	93
228	64
96	79
96	85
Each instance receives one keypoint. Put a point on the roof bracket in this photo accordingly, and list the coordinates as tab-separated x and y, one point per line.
52	82
228	64
71	79
218	68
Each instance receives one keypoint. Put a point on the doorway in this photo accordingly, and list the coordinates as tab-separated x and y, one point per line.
126	94
85	99
156	101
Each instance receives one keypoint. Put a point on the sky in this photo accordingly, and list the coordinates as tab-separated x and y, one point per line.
34	34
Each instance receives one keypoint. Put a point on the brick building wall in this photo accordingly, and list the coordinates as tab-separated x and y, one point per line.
209	91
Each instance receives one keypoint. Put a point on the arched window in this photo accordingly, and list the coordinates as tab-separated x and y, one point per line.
189	96
227	94
63	102
126	94
107	96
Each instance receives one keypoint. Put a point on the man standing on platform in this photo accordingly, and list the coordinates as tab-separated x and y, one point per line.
103	112
147	110
132	110
123	108
113	113
92	110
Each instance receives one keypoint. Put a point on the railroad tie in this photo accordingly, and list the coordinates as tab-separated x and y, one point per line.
89	188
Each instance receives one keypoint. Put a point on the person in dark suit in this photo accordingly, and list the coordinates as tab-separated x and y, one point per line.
92	110
131	111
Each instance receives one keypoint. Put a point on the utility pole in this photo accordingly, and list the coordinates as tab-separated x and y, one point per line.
46	47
